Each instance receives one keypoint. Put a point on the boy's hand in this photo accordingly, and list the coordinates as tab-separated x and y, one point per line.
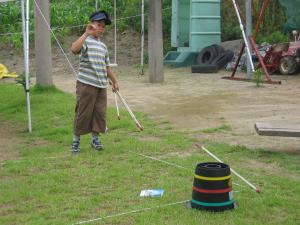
115	86
90	29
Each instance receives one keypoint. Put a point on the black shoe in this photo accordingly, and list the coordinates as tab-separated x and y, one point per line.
75	147
96	144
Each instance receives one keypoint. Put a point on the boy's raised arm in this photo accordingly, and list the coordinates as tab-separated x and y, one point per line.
76	46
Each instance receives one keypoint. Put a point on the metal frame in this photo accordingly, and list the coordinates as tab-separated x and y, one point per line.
253	44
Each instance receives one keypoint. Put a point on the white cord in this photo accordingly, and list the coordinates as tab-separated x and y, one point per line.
130	212
159	160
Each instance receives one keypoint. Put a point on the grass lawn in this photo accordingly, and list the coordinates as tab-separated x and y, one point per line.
46	184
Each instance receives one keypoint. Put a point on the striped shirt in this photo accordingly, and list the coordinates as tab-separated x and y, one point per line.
93	62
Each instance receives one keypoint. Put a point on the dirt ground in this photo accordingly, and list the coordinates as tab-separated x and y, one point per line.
195	102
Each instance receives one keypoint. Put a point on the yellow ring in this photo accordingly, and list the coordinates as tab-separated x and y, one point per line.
212	178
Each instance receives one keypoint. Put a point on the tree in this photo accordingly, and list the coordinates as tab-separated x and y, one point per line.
155	42
43	44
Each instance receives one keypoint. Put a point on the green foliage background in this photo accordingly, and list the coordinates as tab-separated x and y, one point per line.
65	13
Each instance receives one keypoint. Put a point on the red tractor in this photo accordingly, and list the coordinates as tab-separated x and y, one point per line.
284	57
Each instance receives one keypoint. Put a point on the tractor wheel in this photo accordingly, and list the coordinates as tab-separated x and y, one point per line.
288	65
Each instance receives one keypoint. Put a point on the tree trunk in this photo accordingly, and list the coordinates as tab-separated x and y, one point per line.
155	42
43	45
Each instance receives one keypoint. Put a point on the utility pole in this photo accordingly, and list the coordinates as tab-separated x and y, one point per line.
155	42
43	56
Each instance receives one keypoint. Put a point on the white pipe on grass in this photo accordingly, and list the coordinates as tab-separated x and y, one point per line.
232	170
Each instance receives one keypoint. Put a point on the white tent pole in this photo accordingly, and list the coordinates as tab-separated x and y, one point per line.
25	28
27	66
244	35
248	4
142	37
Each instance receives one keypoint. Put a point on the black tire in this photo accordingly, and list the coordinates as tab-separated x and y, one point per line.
209	68
206	55
298	52
223	59
288	65
219	49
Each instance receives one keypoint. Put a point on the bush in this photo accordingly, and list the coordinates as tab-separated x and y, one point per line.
276	37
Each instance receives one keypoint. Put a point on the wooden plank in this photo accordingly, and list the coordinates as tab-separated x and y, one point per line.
278	129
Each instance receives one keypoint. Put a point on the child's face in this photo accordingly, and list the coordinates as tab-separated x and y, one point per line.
99	27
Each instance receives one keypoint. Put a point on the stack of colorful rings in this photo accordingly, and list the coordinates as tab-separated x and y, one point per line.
212	188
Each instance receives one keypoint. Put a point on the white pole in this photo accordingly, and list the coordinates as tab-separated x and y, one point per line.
25	28
27	66
249	33
115	20
117	106
244	35
232	170
142	38
115	36
129	111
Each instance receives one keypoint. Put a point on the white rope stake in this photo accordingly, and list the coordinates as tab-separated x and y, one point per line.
232	170
130	212
117	106
129	111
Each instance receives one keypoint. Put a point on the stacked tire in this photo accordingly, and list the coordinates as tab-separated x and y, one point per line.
212	58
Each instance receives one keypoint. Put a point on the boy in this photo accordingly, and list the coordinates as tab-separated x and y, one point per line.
92	81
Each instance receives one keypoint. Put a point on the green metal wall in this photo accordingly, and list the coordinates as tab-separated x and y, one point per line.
184	23
195	23
180	23
205	23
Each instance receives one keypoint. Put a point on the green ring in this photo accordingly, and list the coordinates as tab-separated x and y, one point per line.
213	204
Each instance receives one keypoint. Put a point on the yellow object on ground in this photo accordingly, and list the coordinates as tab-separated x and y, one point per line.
4	72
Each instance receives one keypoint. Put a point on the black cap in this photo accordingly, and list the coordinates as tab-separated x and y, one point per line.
100	15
